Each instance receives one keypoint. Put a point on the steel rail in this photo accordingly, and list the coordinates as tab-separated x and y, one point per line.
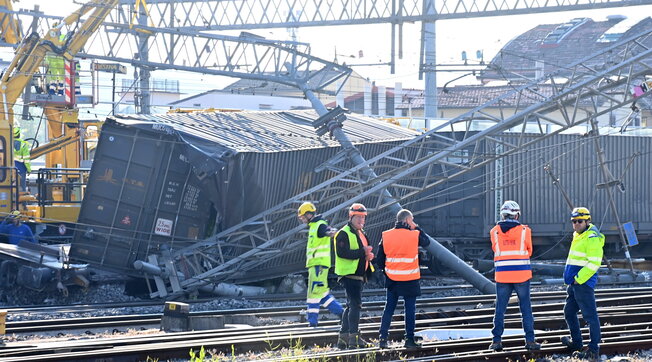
429	308
239	341
261	337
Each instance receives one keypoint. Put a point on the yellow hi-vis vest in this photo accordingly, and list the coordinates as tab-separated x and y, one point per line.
22	153
348	266
401	248
318	250
584	257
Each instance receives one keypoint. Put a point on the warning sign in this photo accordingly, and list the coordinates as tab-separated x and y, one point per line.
163	227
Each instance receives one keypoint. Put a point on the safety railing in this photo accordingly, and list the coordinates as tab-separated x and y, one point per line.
61	185
11	189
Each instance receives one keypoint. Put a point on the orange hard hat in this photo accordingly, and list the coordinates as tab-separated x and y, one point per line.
357	209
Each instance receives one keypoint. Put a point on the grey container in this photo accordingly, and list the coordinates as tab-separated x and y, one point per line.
141	197
180	178
465	224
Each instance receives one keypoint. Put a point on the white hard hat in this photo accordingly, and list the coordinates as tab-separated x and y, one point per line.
510	208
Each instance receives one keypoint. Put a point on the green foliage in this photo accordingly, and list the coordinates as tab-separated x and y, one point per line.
198	357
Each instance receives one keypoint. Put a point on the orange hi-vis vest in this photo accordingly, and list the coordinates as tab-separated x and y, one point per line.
512	251
401	247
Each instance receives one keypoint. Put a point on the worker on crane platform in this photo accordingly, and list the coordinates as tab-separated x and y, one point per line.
22	160
318	262
584	259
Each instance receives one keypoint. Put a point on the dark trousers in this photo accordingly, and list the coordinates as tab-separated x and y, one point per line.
582	297
503	293
351	316
388	313
22	179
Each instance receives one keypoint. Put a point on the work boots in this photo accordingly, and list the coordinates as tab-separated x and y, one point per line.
411	343
532	346
570	346
356	341
343	341
496	346
382	343
587	354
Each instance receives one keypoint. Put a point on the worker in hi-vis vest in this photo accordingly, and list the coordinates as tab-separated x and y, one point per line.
398	257
22	158
584	260
318	262
353	258
511	242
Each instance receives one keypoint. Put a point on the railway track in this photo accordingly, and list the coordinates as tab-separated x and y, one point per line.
431	307
624	316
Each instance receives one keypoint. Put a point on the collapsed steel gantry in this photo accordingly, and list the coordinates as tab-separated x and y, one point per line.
396	176
592	87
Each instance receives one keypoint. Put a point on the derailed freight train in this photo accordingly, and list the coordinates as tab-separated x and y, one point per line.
162	184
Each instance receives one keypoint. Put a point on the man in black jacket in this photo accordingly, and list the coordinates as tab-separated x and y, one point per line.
352	263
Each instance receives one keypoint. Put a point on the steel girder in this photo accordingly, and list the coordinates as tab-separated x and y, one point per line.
594	86
205	15
245	56
252	14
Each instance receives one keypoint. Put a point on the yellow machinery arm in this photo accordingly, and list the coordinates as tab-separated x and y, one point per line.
29	56
54	144
9	28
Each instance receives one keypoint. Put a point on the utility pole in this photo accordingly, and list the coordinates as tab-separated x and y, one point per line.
609	182
557	183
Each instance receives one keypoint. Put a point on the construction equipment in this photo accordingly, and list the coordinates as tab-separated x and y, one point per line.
10	31
61	115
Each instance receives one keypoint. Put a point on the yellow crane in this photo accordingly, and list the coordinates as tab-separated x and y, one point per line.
9	27
29	56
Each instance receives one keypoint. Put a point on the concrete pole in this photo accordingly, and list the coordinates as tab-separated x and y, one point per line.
428	36
339	97
382	102
367	98
143	71
608	178
398	98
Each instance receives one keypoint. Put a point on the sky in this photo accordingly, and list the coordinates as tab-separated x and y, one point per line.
453	36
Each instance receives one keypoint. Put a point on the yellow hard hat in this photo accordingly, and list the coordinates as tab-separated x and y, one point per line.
580	213
14	214
306	207
16	132
357	209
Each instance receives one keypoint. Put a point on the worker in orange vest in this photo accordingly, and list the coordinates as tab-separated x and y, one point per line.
398	256
511	242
